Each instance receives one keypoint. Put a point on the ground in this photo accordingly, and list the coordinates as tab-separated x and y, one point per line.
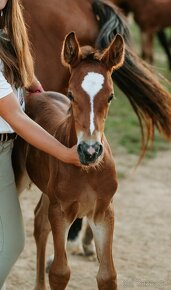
142	240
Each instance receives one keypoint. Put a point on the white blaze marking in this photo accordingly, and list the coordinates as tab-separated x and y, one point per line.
92	84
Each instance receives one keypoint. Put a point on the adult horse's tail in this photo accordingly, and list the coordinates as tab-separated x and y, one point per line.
150	101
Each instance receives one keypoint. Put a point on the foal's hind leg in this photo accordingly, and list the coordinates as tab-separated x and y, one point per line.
41	231
87	240
102	228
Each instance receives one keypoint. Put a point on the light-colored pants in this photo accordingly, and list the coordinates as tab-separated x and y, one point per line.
11	223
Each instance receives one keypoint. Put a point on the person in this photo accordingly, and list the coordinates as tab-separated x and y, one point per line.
16	73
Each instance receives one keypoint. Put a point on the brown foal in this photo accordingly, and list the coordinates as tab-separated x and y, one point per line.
74	192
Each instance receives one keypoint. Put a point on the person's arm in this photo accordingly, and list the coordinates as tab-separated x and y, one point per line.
33	133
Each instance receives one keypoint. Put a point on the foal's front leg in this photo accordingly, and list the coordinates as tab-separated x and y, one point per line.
60	221
103	234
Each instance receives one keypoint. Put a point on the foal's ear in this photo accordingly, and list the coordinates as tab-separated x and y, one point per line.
113	56
71	54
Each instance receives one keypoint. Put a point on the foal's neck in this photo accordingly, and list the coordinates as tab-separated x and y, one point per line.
65	132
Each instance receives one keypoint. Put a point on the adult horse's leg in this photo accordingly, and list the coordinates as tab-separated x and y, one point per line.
162	37
102	228
80	239
41	231
59	273
147	46
74	230
74	244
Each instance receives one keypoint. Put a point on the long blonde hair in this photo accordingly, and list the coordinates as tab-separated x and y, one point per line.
14	46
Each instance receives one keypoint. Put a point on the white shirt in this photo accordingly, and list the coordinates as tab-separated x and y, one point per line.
6	89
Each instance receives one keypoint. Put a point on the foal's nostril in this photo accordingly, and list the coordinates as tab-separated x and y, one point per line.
79	148
98	149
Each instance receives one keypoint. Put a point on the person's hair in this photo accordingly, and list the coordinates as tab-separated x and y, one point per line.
14	46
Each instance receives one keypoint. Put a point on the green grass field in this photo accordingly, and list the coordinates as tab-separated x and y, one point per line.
122	128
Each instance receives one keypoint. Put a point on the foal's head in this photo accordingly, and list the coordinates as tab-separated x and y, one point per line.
91	91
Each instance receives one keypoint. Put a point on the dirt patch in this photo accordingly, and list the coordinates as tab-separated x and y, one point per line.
142	240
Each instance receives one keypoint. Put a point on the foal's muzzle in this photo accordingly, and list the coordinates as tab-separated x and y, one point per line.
89	153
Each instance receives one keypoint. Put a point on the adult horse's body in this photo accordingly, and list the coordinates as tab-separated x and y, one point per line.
152	17
49	22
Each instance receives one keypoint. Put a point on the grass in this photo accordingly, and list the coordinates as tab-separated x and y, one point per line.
122	127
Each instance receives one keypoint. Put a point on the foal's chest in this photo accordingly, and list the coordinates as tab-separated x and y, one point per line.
85	187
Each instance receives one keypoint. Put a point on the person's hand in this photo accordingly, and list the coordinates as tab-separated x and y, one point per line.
71	156
36	89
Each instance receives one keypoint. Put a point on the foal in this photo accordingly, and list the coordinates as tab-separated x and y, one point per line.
74	192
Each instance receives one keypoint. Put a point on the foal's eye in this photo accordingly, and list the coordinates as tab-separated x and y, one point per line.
70	96
110	98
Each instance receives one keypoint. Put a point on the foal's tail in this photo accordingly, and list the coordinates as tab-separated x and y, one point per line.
150	101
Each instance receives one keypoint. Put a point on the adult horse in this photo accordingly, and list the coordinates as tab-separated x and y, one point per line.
96	23
152	17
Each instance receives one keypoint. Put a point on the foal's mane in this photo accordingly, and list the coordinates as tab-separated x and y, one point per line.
46	112
90	54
